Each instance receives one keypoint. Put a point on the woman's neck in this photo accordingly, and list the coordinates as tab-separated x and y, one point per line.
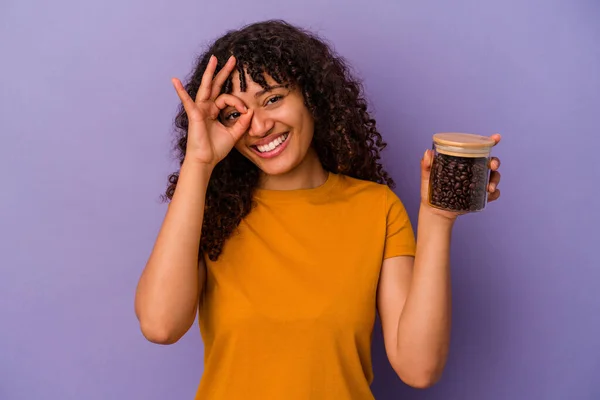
308	174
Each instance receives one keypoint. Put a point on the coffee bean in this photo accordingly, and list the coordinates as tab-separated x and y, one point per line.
458	183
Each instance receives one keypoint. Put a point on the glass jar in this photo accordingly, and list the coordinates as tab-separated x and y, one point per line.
460	171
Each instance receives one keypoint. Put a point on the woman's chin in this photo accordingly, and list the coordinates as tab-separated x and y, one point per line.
277	166
274	170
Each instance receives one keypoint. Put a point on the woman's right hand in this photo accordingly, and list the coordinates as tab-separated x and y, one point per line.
208	140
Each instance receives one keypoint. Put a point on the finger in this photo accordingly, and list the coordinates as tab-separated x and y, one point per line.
494	181
426	173
227	100
494	163
427	160
241	125
222	76
494	196
496	137
205	85
186	100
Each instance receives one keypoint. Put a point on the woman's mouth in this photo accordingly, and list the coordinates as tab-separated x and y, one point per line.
273	148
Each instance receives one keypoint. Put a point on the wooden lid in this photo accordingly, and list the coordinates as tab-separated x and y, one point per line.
463	140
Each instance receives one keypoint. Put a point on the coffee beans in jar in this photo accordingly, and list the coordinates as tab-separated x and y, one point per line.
460	171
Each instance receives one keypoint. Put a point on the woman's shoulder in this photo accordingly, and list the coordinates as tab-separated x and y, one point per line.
364	184
365	190
363	187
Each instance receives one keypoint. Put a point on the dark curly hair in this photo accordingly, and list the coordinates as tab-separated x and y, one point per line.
345	136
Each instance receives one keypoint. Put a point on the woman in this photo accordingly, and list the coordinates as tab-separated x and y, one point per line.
283	234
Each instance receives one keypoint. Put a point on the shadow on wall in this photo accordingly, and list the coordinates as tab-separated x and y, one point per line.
480	332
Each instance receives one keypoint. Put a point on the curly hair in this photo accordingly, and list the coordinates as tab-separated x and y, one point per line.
345	135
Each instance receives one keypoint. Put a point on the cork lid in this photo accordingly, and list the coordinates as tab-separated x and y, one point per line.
463	144
463	140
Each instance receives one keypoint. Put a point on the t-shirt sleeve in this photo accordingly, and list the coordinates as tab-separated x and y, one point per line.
399	238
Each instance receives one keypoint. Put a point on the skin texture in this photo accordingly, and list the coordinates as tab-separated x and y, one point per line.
223	120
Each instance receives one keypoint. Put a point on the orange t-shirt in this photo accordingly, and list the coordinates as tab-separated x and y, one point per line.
288	309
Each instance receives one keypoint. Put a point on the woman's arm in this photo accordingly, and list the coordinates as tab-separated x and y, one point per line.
414	302
169	288
414	294
167	295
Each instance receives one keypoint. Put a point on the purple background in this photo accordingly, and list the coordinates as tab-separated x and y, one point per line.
86	111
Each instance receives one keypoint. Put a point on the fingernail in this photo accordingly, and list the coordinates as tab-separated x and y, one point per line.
492	188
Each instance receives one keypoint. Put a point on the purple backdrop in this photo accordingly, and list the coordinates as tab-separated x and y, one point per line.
86	110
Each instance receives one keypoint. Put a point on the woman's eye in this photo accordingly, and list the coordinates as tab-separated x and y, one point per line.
274	99
232	115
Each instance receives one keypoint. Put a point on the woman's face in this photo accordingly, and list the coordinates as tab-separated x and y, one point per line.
281	130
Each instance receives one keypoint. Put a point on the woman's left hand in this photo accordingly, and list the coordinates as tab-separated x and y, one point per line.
492	189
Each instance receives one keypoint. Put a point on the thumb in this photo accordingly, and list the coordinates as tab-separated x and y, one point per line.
426	163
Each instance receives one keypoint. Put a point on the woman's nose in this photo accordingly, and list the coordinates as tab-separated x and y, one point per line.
260	126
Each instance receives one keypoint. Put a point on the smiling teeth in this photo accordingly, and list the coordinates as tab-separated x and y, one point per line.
275	143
